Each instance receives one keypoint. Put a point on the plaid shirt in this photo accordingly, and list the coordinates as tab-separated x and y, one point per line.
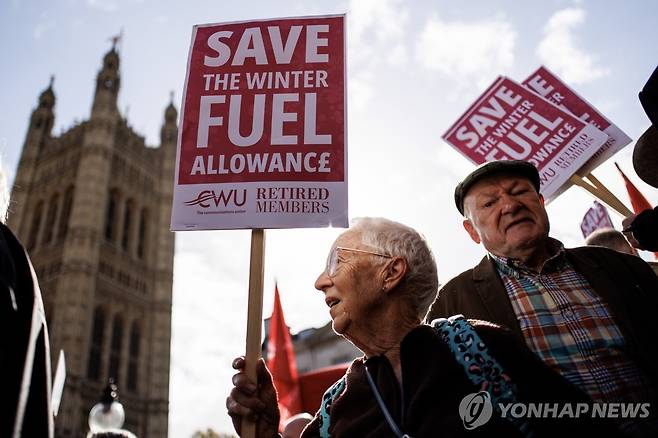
571	329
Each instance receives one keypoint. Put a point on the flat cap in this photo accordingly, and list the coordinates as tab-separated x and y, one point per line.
503	167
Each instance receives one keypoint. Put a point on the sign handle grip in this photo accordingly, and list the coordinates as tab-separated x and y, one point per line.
254	316
599	191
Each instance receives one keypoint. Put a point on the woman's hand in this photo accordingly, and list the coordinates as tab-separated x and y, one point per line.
256	402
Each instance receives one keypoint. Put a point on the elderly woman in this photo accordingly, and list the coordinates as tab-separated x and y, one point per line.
379	282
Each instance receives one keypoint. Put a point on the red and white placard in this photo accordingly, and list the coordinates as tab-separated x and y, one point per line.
510	122
548	85
262	141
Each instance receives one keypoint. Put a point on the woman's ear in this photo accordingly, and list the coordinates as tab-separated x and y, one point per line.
394	273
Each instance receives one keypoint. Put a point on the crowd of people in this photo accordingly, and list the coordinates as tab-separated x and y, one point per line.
557	325
537	322
533	322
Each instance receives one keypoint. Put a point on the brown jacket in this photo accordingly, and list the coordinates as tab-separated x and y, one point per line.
626	283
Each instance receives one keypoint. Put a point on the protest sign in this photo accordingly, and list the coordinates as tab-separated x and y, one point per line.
596	217
262	142
549	86
510	122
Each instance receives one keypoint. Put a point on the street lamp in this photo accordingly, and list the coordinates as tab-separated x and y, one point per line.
108	413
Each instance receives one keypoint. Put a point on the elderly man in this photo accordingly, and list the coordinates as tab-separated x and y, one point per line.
589	313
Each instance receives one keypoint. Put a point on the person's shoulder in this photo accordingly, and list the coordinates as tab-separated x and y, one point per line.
466	278
495	336
456	281
353	369
453	287
599	253
593	251
484	328
8	237
490	329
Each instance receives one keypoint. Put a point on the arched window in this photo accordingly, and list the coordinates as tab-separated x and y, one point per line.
141	240
127	224
65	214
115	348
133	358
50	219
110	215
34	228
98	327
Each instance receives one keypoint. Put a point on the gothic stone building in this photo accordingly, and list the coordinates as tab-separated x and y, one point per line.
92	206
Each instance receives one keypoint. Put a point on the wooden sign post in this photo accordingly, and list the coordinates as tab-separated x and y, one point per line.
601	192
263	138
254	316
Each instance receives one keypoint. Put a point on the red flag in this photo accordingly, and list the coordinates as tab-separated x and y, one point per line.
281	362
638	201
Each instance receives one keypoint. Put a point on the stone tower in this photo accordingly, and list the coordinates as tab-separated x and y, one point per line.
92	206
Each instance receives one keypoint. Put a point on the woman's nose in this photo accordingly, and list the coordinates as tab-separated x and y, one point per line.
323	281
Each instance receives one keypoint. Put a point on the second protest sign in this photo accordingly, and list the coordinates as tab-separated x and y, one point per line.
510	122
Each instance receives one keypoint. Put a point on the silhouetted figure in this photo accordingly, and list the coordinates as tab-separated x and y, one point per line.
24	346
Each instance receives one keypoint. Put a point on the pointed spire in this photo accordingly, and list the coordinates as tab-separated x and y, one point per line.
111	61
47	96
108	83
111	58
116	39
171	114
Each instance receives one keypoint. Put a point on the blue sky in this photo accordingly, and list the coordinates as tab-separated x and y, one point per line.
413	68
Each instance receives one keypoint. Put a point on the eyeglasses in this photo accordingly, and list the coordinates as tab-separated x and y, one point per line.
332	261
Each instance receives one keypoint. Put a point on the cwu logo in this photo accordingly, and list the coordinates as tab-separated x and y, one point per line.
475	409
208	198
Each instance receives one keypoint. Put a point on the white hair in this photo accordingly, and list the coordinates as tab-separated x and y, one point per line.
421	281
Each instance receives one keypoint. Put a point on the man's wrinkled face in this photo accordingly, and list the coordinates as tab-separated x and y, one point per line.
506	215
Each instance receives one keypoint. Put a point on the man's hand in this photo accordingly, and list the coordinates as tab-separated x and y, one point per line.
256	402
626	225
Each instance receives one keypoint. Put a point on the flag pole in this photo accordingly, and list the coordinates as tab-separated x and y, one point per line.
254	316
